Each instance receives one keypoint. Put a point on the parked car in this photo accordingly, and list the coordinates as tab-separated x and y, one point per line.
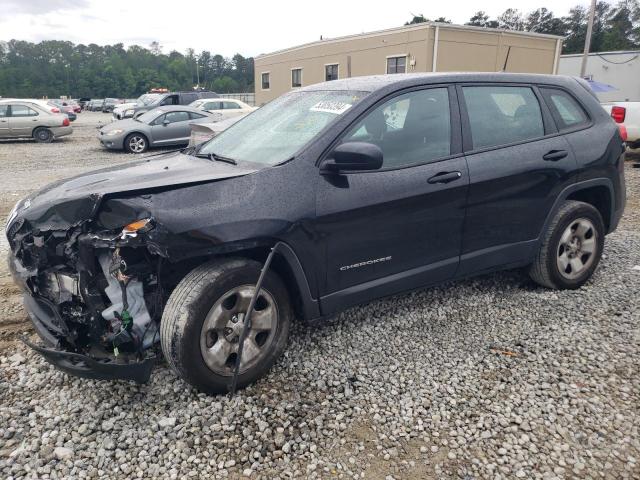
83	101
31	119
173	98
64	107
223	108
75	105
627	116
342	192
109	104
155	128
126	110
203	132
95	105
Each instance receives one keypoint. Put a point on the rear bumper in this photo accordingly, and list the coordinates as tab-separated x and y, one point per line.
61	131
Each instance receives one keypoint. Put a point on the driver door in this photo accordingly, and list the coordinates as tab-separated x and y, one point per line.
399	227
172	127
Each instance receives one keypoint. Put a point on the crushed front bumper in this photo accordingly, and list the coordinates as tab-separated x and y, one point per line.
87	367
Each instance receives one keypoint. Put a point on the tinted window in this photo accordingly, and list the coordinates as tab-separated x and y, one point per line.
22	111
410	129
157	121
195	115
187	98
3	110
174	117
170	100
566	110
502	115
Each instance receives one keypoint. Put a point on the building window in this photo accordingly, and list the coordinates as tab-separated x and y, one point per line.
296	77
331	72
265	81
397	64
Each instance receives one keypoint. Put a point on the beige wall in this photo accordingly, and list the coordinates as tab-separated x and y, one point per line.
459	49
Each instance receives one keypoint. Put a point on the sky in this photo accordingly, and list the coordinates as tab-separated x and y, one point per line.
227	27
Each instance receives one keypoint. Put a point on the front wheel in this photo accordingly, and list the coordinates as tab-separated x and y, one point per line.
43	135
571	247
204	317
136	143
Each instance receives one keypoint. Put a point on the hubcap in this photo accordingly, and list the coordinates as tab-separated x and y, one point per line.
222	328
577	248
137	144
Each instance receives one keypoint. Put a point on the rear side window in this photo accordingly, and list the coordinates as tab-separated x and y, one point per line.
410	129
502	115
22	111
565	109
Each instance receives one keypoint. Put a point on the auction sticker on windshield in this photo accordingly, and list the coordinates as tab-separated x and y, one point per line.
327	106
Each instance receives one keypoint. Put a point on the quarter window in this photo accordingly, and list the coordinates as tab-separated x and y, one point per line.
566	110
296	77
22	111
331	72
502	115
397	64
265	81
410	129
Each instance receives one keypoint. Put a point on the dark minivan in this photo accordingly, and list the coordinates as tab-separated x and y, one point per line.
329	196
173	98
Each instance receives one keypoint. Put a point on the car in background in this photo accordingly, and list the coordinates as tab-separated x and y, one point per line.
95	105
82	101
75	105
109	104
223	107
32	119
126	110
203	132
64	108
173	98
156	128
627	116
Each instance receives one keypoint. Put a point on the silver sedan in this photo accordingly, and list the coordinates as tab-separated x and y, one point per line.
168	125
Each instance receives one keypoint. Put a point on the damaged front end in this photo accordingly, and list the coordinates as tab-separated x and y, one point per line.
94	295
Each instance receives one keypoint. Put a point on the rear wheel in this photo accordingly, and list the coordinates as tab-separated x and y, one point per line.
43	135
136	143
204	318
571	248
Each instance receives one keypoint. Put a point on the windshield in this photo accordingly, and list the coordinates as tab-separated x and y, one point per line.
147	98
150	115
273	133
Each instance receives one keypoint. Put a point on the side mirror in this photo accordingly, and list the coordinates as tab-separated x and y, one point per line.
165	122
357	156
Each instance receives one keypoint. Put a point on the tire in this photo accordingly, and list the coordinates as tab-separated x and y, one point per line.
571	247
43	135
136	143
204	356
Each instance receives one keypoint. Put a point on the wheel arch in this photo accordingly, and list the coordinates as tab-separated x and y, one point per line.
136	132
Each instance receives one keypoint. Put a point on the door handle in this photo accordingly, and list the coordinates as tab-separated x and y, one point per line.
555	155
444	177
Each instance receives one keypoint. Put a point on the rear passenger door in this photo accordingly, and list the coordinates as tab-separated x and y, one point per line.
4	121
518	164
23	120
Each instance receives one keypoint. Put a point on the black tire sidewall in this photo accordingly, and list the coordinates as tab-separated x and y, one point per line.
190	357
581	211
36	135
128	137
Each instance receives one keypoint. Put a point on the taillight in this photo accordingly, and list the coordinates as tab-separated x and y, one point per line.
623	132
618	114
55	110
65	122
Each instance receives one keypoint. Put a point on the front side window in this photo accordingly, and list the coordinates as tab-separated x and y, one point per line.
331	72
410	129
296	77
566	110
278	130
397	64
502	115
265	81
170	100
4	110
195	116
22	111
212	106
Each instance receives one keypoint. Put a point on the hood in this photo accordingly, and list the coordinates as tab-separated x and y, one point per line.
125	124
71	201
124	106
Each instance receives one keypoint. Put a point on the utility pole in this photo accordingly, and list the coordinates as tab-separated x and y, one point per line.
587	40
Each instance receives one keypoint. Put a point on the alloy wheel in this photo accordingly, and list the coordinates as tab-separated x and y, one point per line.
577	248
137	144
220	336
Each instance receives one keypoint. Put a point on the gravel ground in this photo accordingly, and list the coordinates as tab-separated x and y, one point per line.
486	378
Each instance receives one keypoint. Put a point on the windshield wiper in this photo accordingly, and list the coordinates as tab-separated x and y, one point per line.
216	157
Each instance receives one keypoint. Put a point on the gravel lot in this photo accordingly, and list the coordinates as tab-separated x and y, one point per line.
487	378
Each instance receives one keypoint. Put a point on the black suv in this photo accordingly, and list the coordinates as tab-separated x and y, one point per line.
339	193
172	98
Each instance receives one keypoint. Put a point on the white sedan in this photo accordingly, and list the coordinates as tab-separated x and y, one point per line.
223	108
